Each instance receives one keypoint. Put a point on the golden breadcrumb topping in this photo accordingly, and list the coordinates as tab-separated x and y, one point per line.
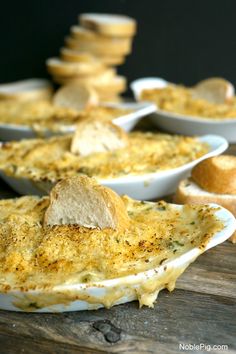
43	115
51	159
33	256
180	99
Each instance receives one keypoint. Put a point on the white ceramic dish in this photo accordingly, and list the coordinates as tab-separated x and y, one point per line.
183	124
146	187
127	122
107	293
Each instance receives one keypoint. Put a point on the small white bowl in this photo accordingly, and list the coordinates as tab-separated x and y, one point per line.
144	187
127	122
184	124
77	297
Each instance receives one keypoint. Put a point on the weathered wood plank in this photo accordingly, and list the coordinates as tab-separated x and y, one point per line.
179	317
214	272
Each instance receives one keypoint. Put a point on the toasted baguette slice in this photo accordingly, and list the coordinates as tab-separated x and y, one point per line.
215	90
31	89
102	83
87	36
93	136
76	56
109	25
115	46
188	192
76	96
216	174
61	68
115	85
79	200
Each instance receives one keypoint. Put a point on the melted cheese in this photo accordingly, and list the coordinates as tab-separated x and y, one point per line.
43	115
51	159
34	257
179	99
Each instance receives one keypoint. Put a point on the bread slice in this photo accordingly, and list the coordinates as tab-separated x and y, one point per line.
79	200
115	85
86	36
188	192
76	96
94	136
215	90
216	174
58	67
76	56
102	47
101	81
31	89
109	25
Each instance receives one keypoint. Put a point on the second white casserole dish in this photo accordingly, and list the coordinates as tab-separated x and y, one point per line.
184	124
144	187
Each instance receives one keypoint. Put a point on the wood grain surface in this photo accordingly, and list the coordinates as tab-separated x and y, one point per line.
202	309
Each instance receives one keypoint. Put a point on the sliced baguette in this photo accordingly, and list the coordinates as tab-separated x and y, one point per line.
97	48
58	67
31	89
94	136
76	96
76	56
214	90
109	25
188	192
79	200
216	174
103	84
84	35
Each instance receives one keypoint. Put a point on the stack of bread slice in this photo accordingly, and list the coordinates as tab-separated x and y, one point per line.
212	181
92	50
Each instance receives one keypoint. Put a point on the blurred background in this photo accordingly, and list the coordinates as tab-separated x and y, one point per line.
182	41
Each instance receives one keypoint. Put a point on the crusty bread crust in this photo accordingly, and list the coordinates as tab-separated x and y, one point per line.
109	25
216	174
79	200
93	136
188	192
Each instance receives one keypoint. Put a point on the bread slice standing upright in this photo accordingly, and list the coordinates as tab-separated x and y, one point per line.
93	136
79	200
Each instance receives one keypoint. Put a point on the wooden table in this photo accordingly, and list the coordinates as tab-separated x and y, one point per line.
202	309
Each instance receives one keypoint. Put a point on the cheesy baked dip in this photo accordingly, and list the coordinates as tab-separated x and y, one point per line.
181	100
33	256
51	159
43	115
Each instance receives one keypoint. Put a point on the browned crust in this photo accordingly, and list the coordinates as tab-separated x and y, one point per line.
215	175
